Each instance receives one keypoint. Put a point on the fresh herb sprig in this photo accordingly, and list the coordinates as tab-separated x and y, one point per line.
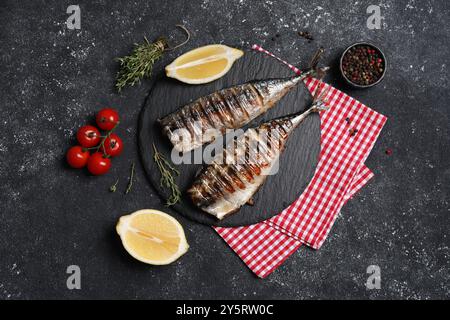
130	179
113	188
139	64
167	177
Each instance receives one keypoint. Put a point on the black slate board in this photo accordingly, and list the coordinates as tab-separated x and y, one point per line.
297	164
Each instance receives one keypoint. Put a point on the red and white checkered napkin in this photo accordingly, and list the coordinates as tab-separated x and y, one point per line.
340	173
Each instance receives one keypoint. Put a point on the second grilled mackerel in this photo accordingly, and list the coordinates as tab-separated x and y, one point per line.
208	117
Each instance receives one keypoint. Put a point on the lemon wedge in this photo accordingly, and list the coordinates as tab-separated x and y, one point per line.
152	236
204	64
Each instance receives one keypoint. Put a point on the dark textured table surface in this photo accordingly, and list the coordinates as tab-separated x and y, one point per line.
54	79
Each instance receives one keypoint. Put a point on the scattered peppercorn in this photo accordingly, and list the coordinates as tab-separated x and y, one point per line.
348	120
306	35
363	64
353	132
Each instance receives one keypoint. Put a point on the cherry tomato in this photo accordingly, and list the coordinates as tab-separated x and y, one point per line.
98	164
107	119
88	136
77	157
113	145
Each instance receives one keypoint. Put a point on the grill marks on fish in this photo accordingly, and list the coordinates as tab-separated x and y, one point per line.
232	179
202	120
236	175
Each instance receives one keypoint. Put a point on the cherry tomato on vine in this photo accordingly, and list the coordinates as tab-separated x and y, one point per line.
88	136
113	145
107	119
98	164
77	157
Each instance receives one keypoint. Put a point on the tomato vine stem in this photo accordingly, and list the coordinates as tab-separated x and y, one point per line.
102	142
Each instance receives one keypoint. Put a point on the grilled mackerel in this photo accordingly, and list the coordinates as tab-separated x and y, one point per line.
208	117
235	176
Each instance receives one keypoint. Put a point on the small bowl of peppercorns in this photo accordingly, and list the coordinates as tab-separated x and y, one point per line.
363	65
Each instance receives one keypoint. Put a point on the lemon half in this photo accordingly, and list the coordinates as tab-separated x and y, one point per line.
204	64
152	236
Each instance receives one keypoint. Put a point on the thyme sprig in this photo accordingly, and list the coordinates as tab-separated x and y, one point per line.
113	188
130	180
139	64
167	177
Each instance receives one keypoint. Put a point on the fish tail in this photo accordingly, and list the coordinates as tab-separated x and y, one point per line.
320	98
319	106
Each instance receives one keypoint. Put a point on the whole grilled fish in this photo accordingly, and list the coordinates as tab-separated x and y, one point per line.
235	176
208	117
